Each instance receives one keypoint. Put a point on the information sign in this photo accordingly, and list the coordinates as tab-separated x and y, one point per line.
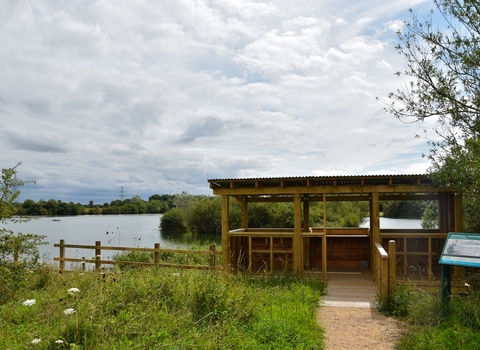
461	249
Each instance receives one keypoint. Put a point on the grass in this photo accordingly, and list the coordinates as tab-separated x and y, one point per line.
433	325
161	308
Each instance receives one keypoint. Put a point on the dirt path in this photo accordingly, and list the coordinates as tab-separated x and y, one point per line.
349	316
358	328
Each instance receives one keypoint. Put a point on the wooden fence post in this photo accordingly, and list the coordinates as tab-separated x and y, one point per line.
98	255
392	268
212	257
384	278
157	253
62	254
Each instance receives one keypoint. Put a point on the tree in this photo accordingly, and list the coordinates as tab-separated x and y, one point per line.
443	65
18	251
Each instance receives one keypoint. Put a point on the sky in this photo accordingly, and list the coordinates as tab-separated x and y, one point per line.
157	97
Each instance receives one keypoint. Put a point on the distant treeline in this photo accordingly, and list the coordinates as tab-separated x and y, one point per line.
202	214
136	205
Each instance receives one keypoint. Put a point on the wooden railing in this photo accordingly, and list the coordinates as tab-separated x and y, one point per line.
157	251
385	270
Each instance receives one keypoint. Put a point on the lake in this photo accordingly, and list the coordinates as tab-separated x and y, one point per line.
115	230
126	231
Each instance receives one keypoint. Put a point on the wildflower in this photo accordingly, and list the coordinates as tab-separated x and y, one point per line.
73	290
69	311
36	341
59	341
29	302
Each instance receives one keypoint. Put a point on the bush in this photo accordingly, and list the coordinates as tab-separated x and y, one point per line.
173	220
205	216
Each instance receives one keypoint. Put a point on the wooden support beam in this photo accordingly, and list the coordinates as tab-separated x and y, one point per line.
225	230
250	254
374	225
392	268
324	239
297	234
271	254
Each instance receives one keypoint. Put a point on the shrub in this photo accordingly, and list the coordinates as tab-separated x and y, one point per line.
173	220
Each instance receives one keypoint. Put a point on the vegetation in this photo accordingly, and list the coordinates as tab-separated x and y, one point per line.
18	252
155	308
433	325
442	65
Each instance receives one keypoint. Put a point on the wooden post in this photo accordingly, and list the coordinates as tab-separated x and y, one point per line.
429	261
157	253
324	239
306	227
212	257
392	268
83	263
271	254
458	273
250	254
375	224
384	272
62	254
98	255
225	230
297	234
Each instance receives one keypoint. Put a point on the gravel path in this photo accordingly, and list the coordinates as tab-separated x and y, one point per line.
358	328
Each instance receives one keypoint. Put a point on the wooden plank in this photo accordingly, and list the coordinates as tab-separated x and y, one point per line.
271	254
250	255
324	239
225	229
325	189
297	239
392	266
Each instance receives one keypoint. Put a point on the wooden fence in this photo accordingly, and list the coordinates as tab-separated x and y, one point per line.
157	260
386	270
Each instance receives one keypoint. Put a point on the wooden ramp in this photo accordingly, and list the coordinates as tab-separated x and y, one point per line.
351	289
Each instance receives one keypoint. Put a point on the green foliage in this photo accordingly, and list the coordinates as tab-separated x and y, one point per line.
345	214
205	216
18	251
173	220
163	308
430	215
403	209
442	67
399	302
432	325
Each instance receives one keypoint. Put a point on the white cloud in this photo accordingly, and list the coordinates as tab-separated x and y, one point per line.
158	97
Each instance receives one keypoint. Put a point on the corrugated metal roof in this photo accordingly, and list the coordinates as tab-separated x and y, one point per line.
316	181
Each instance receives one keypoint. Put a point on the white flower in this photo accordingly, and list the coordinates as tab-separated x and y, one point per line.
59	341
69	311
29	302
36	341
73	290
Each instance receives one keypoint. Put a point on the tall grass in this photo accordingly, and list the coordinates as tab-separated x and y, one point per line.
434	325
161	308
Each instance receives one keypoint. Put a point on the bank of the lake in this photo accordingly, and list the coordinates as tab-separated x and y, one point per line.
133	230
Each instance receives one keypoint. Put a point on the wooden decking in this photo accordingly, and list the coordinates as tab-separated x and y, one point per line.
354	288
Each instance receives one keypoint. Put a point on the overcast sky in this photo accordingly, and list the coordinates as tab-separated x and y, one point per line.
159	96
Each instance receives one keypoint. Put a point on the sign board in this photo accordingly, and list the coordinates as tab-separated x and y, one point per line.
461	249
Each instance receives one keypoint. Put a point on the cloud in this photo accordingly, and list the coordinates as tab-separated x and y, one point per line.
203	127
41	141
159	97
